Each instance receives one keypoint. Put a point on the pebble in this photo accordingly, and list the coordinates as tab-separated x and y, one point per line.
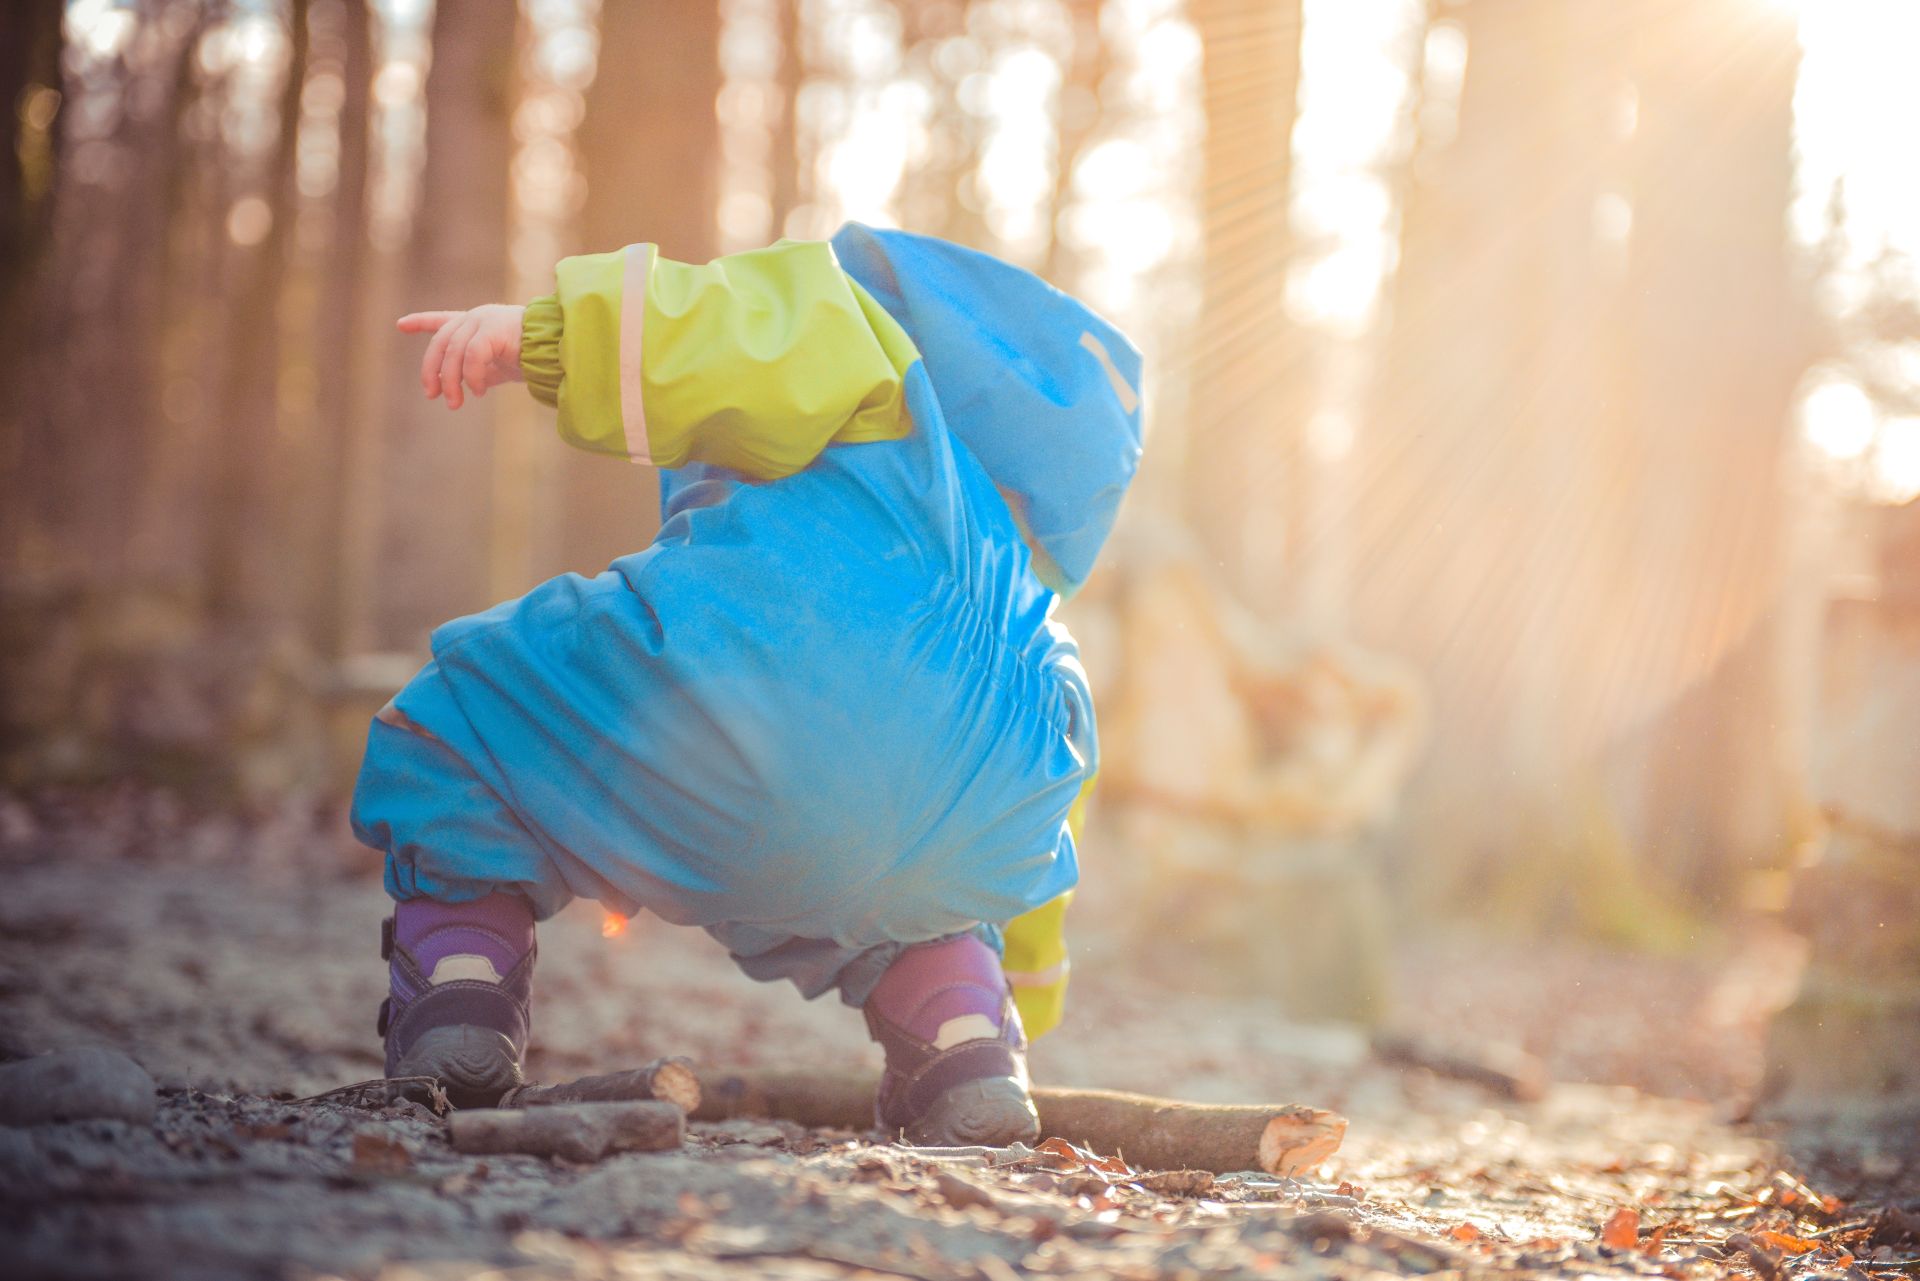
76	1085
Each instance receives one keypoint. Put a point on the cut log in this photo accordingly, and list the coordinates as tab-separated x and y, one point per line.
1167	1134
819	1098
1157	1134
671	1080
576	1131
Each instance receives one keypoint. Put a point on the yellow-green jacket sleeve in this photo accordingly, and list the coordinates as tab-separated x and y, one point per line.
755	361
1036	948
540	349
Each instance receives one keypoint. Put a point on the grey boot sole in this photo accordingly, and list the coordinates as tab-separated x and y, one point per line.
990	1112
475	1065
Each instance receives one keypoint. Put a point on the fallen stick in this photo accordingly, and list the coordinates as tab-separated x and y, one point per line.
576	1131
1167	1134
384	1092
817	1098
671	1080
1152	1134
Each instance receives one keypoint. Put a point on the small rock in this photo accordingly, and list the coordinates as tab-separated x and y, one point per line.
75	1085
740	1130
960	1194
20	1163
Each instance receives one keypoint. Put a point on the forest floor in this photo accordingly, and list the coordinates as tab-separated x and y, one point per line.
237	963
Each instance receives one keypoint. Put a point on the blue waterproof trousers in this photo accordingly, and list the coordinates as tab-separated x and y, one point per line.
822	717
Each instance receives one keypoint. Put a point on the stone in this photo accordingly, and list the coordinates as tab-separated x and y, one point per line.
76	1085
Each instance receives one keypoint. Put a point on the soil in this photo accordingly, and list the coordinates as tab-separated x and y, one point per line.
236	961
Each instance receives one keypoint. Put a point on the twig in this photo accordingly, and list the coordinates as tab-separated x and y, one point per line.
671	1080
384	1092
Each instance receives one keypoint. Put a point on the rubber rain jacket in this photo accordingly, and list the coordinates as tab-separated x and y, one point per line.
829	707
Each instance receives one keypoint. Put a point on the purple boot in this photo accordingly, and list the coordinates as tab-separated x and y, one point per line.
956	1055
461	978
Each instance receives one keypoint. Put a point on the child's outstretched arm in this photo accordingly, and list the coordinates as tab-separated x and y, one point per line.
755	361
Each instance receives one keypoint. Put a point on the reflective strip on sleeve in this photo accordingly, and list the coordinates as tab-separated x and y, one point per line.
1039	978
635	275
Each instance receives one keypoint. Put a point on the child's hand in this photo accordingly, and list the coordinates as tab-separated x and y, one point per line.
481	345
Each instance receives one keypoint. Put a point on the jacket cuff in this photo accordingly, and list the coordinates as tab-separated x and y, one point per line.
540	348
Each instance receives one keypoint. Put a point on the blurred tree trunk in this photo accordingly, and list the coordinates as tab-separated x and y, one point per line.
787	190
30	90
1078	126
434	554
1720	330
203	177
1489	488
939	196
650	113
340	341
29	70
204	270
87	400
244	562
1572	505
1243	446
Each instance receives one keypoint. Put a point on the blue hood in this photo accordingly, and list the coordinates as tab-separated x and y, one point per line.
1043	392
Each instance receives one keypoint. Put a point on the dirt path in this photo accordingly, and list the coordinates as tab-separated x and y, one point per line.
240	970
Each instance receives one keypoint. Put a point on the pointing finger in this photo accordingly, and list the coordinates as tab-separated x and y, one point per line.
423	322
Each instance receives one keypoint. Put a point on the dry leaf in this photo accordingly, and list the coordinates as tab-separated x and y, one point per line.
1066	1155
1765	1262
377	1154
1622	1231
1791	1244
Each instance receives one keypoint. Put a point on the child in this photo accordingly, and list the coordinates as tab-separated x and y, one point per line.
827	715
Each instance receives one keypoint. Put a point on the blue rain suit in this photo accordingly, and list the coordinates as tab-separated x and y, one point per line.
828	712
